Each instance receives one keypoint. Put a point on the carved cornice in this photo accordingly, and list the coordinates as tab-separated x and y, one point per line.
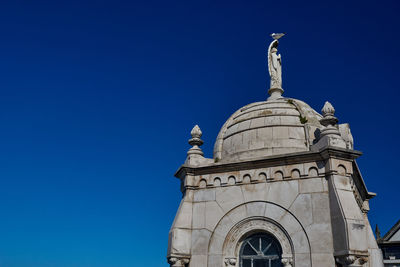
279	160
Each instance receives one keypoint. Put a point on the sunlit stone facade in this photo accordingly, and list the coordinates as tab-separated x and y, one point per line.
282	189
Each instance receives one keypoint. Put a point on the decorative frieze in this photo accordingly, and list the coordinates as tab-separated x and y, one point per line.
298	171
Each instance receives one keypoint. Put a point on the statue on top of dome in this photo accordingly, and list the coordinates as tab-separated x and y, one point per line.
275	62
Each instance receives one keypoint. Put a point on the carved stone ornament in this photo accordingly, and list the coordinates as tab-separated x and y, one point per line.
330	134
346	260
195	141
352	260
363	260
196	132
230	262
287	262
328	111
178	261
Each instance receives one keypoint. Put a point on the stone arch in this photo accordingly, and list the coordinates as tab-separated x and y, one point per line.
278	175
341	169
252	225
217	181
295	173
231	180
262	177
260	216
246	178
203	183
313	172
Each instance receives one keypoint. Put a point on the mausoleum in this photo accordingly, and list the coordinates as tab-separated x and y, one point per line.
282	189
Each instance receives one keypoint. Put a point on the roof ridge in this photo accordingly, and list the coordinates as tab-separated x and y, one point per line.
392	231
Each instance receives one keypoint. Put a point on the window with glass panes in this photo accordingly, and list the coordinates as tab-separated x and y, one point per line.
260	250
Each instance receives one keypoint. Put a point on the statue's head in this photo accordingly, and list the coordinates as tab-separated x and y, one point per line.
274	50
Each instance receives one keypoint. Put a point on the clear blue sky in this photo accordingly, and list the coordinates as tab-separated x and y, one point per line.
97	100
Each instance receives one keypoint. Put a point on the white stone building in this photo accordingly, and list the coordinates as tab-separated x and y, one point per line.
282	189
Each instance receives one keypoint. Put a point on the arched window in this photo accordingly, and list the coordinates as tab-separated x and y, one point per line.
260	250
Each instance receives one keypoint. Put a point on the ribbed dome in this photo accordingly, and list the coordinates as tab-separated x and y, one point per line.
267	128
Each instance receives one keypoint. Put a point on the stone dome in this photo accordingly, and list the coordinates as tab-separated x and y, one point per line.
272	127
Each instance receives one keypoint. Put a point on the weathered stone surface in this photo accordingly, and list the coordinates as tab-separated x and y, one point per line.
215	260
300	242
184	218
224	226
351	209
216	244
229	197
199	215
320	208
274	212
179	241
323	259
257	128
320	241
198	261
290	224
342	182
238	214
302	209
357	235
253	192
284	192
213	214
311	185
204	195
200	240
296	132
375	258
303	260
255	209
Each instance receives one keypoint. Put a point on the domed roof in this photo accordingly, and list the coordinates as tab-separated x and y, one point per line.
272	127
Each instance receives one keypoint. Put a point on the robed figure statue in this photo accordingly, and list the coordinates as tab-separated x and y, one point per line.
275	65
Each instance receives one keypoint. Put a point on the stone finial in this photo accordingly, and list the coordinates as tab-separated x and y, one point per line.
330	135
195	154
328	109
329	120
196	132
195	141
